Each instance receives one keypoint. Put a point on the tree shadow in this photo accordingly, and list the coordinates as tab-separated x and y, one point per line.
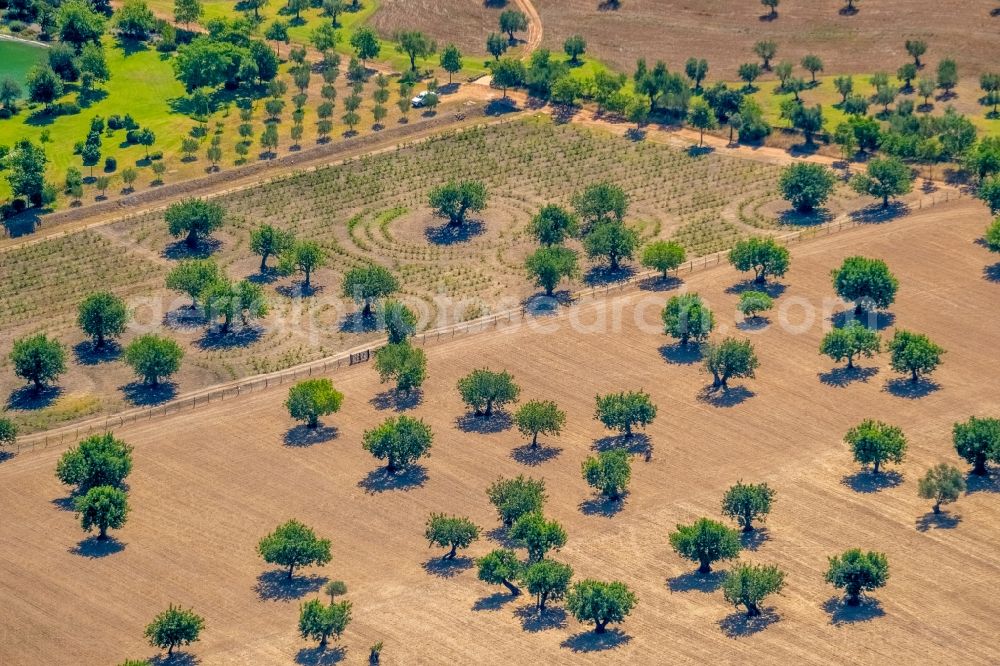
27	398
534	456
267	277
737	625
756	323
767	18
698	151
185	317
451	234
589	641
903	387
381	480
303	436
5	455
493	602
215	339
609	5
877	213
848	11
692	581
357	322
178	250
989	483
992	273
87	353
798	218
681	354
730	397
876	320
502	537
541	305
275	585
772	289
534	621
484	425
179	658
840	613
602	506
436	566
564	113
939	521
67	503
94	548
754	539
635	134
499	107
143	395
660	283
841	377
599	276
396	400
298	289
320	656
867	481
24	223
638	444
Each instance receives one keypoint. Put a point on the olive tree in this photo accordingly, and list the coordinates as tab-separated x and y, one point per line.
193	277
549	265
173	628
600	203
609	472
748	585
553	224
806	185
319	621
943	483
399	441
367	284
500	567
913	353
624	411
766	50
8	432
403	363
292	545
451	532
98	460
686	317
539	417
978	441
876	443
485	390
516	497
269	241
705	541
305	257
537	534
399	320
38	359
663	256
312	398
730	359
547	580
884	178
761	254
867	283
600	602
455	199
857	572
193	218
612	241
103	507
153	357
103	315
746	502
849	341
752	303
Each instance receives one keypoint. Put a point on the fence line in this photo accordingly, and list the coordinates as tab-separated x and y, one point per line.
363	354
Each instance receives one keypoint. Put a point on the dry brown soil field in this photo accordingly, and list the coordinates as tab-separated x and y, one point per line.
724	32
208	484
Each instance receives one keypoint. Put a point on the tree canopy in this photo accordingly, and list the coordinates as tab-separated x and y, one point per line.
451	532
663	256
624	411
484	390
400	441
103	507
705	541
312	398
103	315
455	199
402	362
600	602
686	317
537	534
292	545
762	254
547	580
539	417
748	585
885	178
500	567
193	217
38	359
609	472
857	572
978	441
366	284
876	443
153	357
942	483
174	627
914	353
865	282
98	460
731	358
806	185
746	502
851	340
516	497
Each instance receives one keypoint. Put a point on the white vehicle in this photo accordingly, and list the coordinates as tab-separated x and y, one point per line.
421	99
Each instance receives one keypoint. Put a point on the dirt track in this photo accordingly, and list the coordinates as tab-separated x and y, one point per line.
207	486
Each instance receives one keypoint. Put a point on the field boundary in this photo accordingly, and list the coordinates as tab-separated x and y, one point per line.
61	436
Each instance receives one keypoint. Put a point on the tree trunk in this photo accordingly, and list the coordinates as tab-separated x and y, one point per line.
979	467
489	409
451	553
753	610
706	567
937	507
599	626
38	386
914	377
313	421
103	534
850	362
854	598
291	569
875	468
192	238
100	339
367	310
263	262
306	284
514	590
542	598
885	201
534	441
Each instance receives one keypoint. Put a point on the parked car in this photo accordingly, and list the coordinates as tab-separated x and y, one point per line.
421	99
